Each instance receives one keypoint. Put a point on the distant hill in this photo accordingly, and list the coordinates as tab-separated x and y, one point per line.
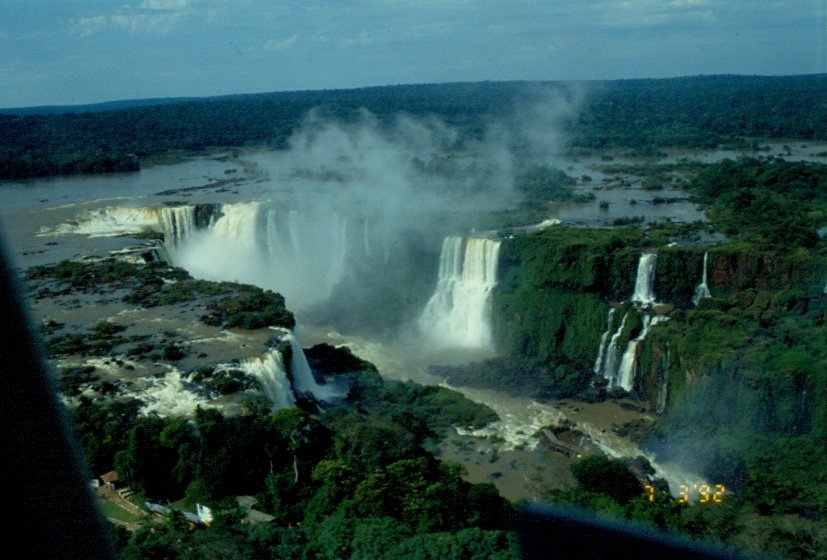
93	107
699	111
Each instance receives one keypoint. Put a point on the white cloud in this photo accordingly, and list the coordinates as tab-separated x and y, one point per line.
87	26
646	13
151	17
164	4
153	24
283	45
363	38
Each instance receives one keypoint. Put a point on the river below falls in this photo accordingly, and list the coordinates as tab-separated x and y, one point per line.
509	453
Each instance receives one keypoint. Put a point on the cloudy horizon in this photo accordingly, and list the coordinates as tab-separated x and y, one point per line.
88	51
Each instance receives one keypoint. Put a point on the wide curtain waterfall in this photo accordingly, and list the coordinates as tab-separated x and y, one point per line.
301	254
458	315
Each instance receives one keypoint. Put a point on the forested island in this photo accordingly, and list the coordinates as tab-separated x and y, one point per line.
710	333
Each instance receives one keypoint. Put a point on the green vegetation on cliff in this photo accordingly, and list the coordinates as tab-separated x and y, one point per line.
550	308
739	376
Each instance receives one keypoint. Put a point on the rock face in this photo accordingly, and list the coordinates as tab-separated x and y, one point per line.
734	270
551	307
206	214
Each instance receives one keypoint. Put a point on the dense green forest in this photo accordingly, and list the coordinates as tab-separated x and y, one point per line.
355	481
641	114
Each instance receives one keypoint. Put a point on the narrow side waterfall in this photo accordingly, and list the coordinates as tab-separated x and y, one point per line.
609	369
303	380
663	393
458	315
271	374
626	371
628	364
702	289
644	293
601	350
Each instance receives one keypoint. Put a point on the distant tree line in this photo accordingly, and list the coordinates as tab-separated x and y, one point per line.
643	114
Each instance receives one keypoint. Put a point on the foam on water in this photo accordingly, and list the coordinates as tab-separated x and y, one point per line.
168	396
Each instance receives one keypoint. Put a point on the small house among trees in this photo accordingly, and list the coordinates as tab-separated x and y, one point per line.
110	479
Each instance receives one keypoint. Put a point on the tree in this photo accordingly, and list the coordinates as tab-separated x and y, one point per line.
600	474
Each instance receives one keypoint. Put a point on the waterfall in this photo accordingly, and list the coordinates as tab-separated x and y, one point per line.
238	225
610	365
626	371
271	374
177	223
663	393
300	253
623	374
601	350
702	289
109	222
169	396
645	280
458	313
303	380
628	364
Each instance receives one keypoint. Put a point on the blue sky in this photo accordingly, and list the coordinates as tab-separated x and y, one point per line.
83	51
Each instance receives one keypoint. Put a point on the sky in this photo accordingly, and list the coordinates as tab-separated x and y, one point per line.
66	52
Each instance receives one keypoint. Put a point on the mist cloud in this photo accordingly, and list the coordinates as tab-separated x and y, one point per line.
353	212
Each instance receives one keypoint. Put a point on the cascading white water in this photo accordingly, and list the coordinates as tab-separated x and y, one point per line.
303	380
626	371
663	393
645	280
601	351
271	373
458	315
108	222
177	223
623	374
272	377
702	289
168	396
301	254
610	363
628	365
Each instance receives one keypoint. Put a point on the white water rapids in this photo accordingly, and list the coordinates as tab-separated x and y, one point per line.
520	418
